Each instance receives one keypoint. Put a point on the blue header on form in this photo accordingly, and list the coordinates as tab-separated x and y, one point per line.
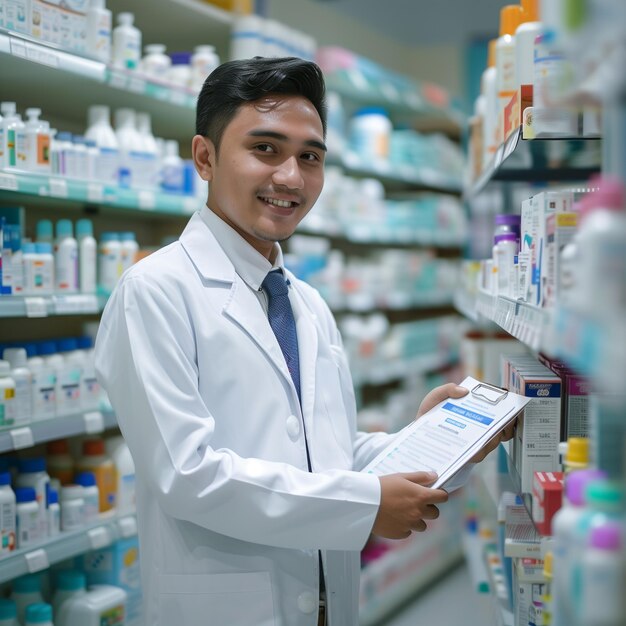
476	417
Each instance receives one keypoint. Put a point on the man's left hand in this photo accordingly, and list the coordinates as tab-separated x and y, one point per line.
439	394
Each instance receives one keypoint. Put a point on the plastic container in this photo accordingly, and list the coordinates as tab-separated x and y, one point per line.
179	73
129	249
44	232
126	42
577	455
489	89
79	167
23	407
7	395
72	507
14	137
370	134
247	37
43	389
150	175
203	61
69	584
54	513
8	612
27	513
91	495
95	460
109	261
26	590
38	614
528	30
8	537
87	253
102	604
130	144
90	391
120	454
98	31
60	461
72	374
32	473
155	62
510	17
37	144
172	168
66	259
55	362
100	130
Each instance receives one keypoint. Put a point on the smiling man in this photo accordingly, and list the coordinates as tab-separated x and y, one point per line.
233	391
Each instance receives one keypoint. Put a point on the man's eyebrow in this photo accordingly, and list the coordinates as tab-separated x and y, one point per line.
280	137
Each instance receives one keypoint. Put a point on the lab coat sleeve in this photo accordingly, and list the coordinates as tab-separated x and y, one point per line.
145	360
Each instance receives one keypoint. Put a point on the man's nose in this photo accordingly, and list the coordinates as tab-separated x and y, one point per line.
288	174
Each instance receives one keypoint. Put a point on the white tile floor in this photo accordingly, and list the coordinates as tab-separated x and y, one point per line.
451	601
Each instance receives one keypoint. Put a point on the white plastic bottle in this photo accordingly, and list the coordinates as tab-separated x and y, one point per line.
8	612
92	159
489	89
149	174
96	461
564	525
118	450
54	362
172	168
53	513
37	142
203	61
109	261
17	257
87	256
601	249
72	507
70	584
247	37
27	513
155	62
92	608
79	165
39	614
41	279
32	473
91	495
44	232
529	28
98	31
71	380
66	259
43	389
23	384
129	249
100	130
91	392
13	131
510	17
26	590
126	42
130	144
370	134
7	395
8	533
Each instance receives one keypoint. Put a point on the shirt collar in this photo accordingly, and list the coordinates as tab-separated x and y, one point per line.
249	263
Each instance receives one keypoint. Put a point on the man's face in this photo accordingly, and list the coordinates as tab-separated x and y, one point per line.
270	169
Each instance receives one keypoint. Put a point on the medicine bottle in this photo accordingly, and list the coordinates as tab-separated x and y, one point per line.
26	590
60	461
27	517
23	383
70	584
95	460
370	134
126	42
32	473
7	395
7	515
66	259
155	62
72	507
91	495
109	261
8	612
98	31
38	614
129	249
43	389
53	513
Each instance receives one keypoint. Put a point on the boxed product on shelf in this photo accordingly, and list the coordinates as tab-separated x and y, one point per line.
529	582
547	499
535	445
560	230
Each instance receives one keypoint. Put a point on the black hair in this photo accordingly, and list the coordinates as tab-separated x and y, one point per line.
235	83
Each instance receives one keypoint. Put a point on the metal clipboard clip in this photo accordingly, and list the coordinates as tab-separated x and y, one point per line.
488	393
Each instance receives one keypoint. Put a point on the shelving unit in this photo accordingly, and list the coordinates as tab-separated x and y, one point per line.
44	306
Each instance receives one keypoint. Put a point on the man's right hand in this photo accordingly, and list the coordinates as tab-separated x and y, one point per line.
405	503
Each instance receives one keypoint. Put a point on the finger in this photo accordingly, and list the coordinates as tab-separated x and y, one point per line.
431	512
420	526
421	478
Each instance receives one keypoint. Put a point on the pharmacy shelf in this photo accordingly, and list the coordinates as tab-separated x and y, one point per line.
44	306
382	372
410	565
368	232
540	160
392	301
39	556
27	64
396	177
19	437
66	190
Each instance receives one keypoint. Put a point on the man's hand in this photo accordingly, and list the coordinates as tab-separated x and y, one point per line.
405	503
439	394
492	444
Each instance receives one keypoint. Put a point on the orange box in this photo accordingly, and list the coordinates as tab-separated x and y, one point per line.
514	110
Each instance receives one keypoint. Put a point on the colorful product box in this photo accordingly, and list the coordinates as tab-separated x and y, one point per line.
529	587
547	499
560	230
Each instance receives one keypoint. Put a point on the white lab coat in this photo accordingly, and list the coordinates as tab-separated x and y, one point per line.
230	519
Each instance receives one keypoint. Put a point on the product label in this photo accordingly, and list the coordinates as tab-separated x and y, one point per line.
11	156
43	150
7	527
113	617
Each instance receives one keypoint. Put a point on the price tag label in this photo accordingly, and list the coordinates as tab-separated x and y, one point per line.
94	422
8	181
95	193
22	438
146	200
128	526
78	303
117	80
36	561
36	307
18	47
137	85
58	187
99	537
178	97
41	55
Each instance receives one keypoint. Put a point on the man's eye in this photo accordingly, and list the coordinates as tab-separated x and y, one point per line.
264	147
310	156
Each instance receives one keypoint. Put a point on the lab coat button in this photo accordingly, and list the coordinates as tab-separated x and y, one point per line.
293	427
307	602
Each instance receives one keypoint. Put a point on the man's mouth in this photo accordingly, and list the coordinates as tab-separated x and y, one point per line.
283	204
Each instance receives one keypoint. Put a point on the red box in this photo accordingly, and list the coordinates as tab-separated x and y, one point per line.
547	499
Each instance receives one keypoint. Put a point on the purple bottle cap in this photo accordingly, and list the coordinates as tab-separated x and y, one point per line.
576	482
505	237
608	536
508	219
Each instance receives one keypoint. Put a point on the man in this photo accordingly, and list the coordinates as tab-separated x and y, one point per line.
245	442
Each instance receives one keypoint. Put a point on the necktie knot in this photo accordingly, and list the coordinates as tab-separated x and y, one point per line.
275	284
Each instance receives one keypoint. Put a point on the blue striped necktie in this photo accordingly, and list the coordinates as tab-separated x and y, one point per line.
283	324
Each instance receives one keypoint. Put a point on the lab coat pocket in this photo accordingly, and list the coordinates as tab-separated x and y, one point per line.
216	599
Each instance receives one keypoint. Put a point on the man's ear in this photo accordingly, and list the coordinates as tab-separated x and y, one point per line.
203	155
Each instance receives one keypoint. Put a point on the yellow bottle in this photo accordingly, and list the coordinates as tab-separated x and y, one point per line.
96	461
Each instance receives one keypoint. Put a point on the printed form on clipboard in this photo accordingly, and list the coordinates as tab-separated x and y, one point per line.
449	435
